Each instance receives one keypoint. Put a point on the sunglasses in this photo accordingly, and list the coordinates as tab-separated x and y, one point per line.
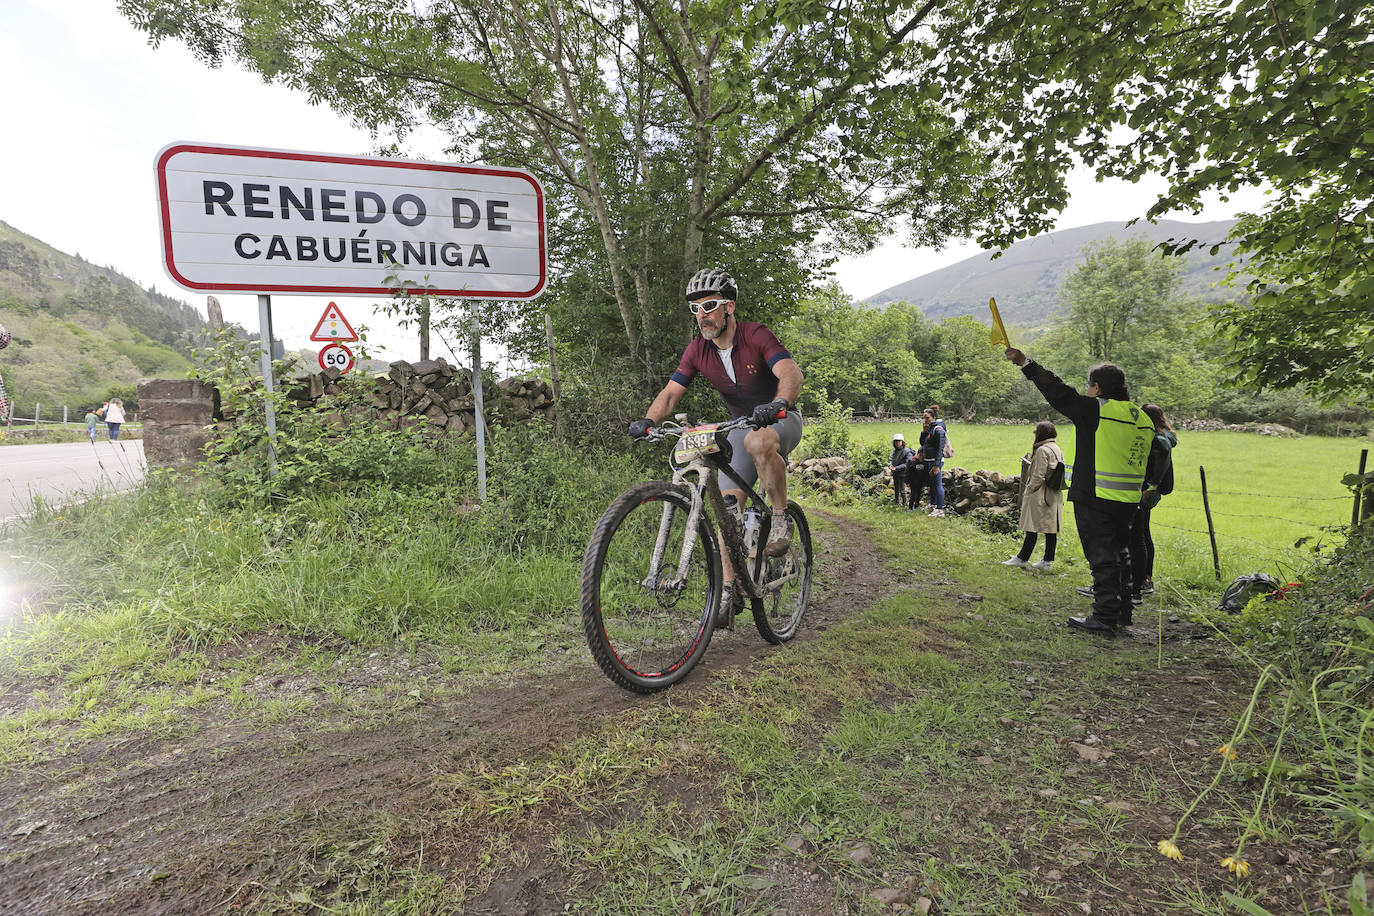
707	305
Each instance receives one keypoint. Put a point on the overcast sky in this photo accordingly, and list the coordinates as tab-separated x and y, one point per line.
90	105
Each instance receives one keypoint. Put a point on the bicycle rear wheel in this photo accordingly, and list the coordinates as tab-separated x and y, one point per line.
779	615
648	619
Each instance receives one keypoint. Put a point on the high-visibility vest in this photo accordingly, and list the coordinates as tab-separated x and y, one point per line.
1122	447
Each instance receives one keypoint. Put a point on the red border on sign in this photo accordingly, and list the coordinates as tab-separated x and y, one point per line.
319	325
164	208
351	360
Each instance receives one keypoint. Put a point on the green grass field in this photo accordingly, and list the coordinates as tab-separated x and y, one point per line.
1266	493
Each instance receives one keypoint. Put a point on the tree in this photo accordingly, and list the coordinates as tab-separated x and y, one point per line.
1124	307
1215	96
854	355
968	372
668	135
1114	291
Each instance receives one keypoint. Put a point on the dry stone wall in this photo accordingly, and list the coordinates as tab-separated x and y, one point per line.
965	491
431	397
435	397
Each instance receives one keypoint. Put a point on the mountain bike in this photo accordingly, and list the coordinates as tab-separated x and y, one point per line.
652	575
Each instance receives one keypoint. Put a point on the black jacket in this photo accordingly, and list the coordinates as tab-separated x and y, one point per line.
1083	411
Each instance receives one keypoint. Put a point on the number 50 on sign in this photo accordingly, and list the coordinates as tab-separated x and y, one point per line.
336	356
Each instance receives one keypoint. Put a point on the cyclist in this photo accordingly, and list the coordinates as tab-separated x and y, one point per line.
757	378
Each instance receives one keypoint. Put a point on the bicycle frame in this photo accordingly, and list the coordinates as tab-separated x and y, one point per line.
706	468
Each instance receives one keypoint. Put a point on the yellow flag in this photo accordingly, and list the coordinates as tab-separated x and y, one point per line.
999	333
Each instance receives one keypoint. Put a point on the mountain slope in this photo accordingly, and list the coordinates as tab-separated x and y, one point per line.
80	330
1027	277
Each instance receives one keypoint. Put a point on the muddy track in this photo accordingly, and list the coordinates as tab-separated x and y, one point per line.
147	826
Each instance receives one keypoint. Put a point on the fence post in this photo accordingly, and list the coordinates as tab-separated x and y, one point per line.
1211	531
64	414
1359	489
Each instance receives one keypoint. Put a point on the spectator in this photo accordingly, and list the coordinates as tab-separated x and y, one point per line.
933	442
899	465
1042	497
1111	444
1159	481
92	421
114	416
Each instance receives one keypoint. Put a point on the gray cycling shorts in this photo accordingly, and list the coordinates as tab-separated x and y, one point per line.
789	430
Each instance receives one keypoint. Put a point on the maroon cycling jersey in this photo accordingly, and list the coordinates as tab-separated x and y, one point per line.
755	352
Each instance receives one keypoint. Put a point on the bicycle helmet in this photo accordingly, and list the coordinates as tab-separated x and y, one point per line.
712	280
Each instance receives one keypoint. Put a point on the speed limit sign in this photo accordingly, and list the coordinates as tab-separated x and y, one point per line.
336	356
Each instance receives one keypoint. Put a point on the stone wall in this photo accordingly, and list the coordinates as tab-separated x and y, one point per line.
966	491
435	397
176	415
430	397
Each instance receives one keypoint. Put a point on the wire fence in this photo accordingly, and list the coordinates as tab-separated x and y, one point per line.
59	416
1280	548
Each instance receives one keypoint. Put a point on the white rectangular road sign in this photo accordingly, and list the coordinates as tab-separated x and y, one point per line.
276	221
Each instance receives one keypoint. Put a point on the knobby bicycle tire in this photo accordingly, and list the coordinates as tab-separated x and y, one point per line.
648	636
778	615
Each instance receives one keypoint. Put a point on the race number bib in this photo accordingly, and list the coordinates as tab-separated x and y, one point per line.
696	443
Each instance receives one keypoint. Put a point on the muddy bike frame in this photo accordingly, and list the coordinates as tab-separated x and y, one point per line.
705	465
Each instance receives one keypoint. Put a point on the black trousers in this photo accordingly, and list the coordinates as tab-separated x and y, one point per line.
916	482
1104	530
1142	550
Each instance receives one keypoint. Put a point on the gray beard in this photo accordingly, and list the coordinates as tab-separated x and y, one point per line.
719	331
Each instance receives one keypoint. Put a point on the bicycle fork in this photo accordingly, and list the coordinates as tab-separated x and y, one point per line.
658	580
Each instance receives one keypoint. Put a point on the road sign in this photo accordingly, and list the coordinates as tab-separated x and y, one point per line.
336	356
236	219
333	326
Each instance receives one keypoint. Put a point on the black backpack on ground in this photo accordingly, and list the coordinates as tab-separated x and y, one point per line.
1245	589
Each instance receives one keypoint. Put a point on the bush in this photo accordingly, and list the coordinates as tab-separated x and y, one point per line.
869	460
545	497
1321	639
827	436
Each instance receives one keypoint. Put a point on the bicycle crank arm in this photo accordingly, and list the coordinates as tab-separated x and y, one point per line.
775	585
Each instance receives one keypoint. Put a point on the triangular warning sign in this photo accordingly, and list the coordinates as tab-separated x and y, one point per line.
333	326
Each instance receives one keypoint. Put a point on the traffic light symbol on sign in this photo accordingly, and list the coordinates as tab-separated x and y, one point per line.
333	326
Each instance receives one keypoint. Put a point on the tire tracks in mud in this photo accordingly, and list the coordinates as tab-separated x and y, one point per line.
145	825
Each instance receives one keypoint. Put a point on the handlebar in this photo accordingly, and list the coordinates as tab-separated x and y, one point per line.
665	428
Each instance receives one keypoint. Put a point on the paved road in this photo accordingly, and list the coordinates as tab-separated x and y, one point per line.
65	471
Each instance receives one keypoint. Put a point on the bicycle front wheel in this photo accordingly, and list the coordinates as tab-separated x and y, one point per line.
647	604
785	581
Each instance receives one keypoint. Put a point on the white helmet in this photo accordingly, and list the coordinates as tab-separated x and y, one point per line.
712	280
898	437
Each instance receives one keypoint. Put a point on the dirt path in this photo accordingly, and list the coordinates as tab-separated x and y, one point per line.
143	825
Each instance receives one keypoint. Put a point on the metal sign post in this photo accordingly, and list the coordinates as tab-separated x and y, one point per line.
477	403
265	352
247	220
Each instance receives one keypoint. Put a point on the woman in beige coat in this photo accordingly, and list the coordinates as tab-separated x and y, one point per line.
1042	497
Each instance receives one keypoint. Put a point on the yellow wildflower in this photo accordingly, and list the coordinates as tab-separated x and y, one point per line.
1225	751
1240	867
1169	850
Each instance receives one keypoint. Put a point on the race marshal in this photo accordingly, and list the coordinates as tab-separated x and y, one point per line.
275	221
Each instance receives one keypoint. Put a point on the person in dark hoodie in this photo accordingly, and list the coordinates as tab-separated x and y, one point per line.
1111	444
933	440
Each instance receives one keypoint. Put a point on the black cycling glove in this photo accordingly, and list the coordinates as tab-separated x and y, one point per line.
767	414
640	428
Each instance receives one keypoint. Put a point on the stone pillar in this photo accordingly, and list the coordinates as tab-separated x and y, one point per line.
176	414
